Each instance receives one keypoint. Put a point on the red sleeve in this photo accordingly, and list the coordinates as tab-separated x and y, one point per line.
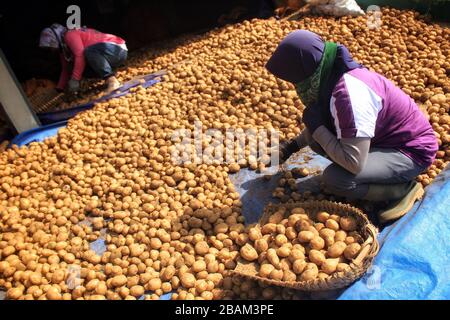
64	77
75	44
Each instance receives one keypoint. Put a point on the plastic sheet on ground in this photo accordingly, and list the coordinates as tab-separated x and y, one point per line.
415	255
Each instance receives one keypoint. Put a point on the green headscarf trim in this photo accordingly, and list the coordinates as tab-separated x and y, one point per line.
309	89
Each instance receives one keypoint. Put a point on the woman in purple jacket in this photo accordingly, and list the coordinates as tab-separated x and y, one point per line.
376	136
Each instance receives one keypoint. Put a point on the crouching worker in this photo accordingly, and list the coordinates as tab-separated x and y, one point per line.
100	51
375	135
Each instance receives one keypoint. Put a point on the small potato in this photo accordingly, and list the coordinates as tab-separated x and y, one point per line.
188	280
14	293
137	291
348	224
340	235
269	228
317	243
296	254
310	273
323	216
154	284
336	250
265	270
273	257
299	266
248	253
329	266
276	275
199	265
261	245
201	248
332	224
316	257
280	240
290	233
283	252
254	234
305	236
352	250
289	276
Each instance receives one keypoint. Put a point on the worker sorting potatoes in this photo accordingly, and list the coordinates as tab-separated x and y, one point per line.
376	136
102	52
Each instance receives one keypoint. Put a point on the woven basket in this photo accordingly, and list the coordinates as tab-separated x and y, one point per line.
358	266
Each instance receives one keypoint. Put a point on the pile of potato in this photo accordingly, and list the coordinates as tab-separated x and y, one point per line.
297	248
179	228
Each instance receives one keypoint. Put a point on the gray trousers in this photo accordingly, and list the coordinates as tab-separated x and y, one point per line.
383	166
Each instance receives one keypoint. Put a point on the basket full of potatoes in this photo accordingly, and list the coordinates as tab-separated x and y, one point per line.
310	246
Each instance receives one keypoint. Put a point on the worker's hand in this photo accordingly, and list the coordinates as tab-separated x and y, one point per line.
313	118
73	86
287	149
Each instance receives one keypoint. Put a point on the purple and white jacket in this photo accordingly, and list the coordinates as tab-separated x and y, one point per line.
365	104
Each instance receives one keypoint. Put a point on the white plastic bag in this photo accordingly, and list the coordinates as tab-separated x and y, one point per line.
337	8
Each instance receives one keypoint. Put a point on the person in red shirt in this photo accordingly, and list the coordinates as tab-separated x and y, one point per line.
102	52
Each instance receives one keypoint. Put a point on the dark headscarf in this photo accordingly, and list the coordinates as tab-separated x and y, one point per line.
298	56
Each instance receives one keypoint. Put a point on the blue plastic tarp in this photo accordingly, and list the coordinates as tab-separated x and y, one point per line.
415	255
38	134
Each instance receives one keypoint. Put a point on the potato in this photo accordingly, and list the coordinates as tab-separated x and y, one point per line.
296	254
336	250
352	250
283	252
248	253
265	270
317	243
114	166
254	234
187	280
340	236
329	265
310	273
198	266
276	275
299	266
273	257
316	257
14	293
261	245
119	281
323	216
268	228
332	224
201	248
305	236
348	224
